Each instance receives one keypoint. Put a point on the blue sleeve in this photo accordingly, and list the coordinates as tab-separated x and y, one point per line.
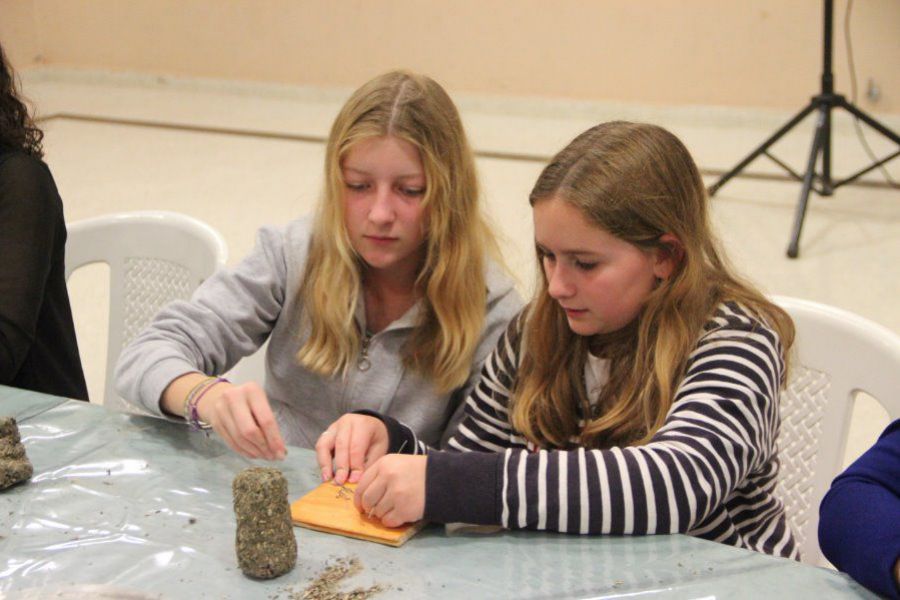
859	520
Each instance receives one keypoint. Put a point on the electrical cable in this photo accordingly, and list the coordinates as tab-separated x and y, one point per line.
859	131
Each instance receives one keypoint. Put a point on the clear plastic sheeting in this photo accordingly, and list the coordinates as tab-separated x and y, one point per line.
125	506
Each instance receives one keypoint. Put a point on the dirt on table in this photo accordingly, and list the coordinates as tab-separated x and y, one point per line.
326	584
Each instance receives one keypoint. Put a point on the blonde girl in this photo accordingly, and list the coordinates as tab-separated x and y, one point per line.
387	299
636	394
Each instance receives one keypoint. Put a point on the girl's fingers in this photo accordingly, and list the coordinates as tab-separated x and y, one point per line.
324	451
394	518
246	428
227	429
265	419
359	447
342	441
384	506
370	490
377	448
348	446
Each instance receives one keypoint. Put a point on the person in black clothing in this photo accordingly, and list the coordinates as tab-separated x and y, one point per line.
38	349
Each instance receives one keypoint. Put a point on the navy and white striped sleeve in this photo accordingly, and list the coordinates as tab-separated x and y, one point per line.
719	430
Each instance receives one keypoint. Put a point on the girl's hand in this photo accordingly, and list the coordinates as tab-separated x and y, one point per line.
242	416
393	490
352	443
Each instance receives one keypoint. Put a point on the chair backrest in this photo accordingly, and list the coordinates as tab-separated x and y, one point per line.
154	257
836	355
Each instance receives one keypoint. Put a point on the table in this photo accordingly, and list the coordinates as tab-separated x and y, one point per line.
125	504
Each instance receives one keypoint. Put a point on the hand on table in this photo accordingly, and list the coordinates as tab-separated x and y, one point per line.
349	445
242	416
393	489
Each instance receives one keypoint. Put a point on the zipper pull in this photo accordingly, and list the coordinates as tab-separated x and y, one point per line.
364	363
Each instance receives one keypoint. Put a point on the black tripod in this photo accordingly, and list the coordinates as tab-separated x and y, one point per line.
823	103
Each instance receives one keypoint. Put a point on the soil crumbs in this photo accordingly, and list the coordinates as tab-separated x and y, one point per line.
325	585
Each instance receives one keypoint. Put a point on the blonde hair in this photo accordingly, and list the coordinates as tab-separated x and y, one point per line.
451	281
637	182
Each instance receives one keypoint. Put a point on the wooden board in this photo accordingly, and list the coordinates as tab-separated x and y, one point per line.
331	510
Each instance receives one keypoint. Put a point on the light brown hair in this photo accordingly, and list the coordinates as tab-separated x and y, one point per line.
637	182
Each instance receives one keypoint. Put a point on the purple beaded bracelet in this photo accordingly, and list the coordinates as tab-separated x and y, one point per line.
194	418
185	408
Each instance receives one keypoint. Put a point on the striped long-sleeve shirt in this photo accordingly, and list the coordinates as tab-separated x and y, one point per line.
709	471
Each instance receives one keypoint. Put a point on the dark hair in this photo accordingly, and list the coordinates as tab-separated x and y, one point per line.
17	130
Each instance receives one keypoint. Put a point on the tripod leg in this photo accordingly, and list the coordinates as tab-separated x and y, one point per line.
825	187
817	146
765	146
871	122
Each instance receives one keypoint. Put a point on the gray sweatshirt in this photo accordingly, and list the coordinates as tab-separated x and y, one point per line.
236	310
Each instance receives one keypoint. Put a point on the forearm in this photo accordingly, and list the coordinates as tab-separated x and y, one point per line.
857	533
176	393
858	530
464	488
622	491
241	414
401	439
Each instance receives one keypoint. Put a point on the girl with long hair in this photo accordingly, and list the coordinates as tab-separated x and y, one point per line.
38	349
638	391
387	299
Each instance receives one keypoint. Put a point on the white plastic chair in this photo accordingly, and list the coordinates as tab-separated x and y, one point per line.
837	354
154	257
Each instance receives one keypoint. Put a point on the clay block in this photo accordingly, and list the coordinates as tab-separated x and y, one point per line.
265	542
13	471
9	429
11	449
14	464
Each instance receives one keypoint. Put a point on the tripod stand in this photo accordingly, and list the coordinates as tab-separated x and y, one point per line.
823	104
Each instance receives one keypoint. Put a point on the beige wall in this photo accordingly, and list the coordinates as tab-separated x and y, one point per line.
764	53
18	32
